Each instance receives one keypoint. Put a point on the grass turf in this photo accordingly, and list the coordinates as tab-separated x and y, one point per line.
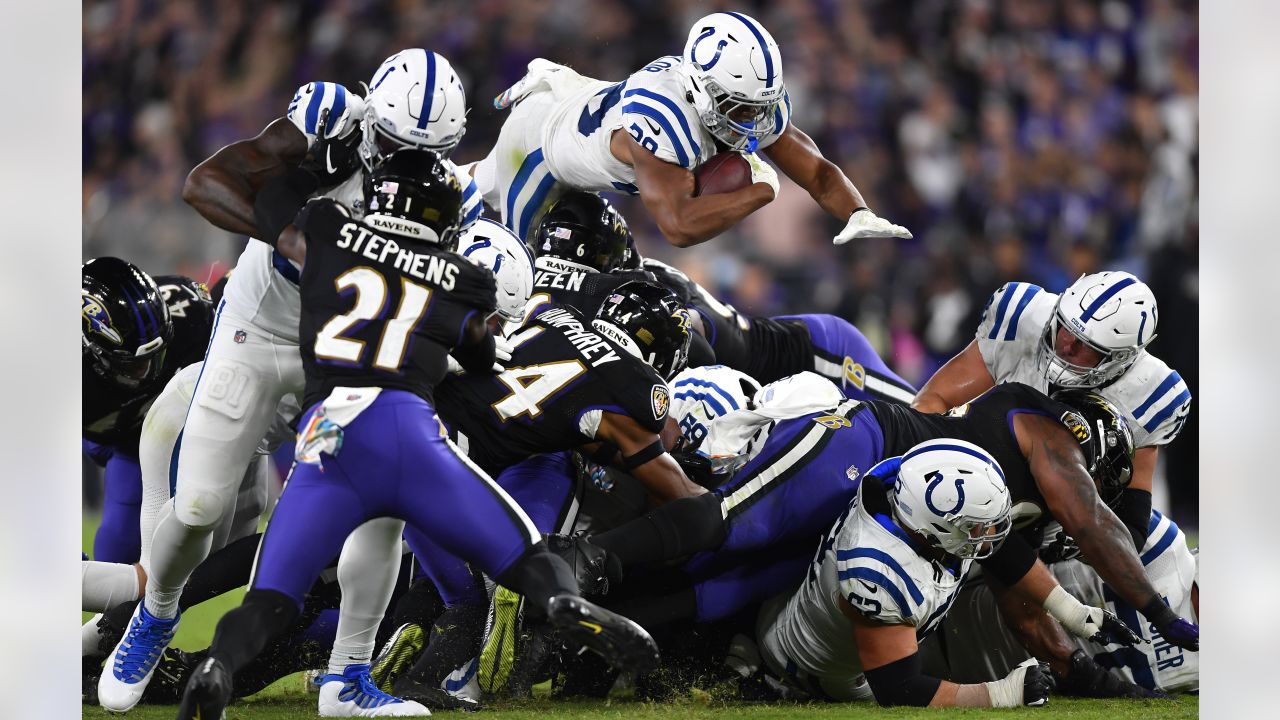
288	699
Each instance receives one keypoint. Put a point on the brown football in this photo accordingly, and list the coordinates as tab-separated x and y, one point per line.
724	172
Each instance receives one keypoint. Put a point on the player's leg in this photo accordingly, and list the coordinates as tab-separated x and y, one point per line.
367	570
117	538
844	355
245	372
546	487
521	182
497	537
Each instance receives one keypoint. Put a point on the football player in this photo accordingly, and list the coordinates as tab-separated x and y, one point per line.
978	646
369	389
415	99
595	385
771	348
647	134
1053	473
885	576
1093	336
136	334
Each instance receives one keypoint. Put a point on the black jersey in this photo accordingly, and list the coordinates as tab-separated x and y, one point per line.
764	348
376	313
561	284
560	371
988	423
113	414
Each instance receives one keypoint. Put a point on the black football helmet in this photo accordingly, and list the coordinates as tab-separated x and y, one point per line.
125	324
584	229
1104	438
653	319
414	195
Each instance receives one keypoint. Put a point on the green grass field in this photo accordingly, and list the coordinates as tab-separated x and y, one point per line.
288	698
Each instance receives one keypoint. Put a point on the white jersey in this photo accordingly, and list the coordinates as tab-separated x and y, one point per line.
264	287
651	105
1152	397
867	560
1172	570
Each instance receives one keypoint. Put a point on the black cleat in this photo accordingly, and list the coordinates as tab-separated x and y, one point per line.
621	642
407	688
595	569
208	692
171	675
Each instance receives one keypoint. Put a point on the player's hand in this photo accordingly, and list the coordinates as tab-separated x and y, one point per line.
1110	630
762	172
1036	685
1085	678
1063	547
502	348
865	224
1183	633
334	154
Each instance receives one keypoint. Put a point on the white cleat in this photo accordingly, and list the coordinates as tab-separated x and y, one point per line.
133	661
353	694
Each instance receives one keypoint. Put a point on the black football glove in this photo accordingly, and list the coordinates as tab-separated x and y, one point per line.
1114	632
1183	633
1037	683
332	159
1063	547
1086	678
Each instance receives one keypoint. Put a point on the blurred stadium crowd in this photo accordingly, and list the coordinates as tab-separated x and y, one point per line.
1025	140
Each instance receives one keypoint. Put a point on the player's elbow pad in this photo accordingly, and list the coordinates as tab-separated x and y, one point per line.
901	682
1134	511
477	358
279	201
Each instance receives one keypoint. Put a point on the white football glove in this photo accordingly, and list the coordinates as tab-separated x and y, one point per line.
762	172
866	224
502	349
1028	684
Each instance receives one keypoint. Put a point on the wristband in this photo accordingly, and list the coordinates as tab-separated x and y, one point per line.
644	455
1159	612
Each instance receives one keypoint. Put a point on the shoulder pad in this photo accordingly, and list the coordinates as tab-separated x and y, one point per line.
878	585
1005	309
1155	398
471	204
657	116
314	97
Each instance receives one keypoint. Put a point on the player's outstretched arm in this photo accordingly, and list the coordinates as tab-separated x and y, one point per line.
667	192
799	158
962	379
1058	467
643	455
223	187
891	662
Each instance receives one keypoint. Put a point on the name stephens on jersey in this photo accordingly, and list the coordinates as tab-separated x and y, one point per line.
360	240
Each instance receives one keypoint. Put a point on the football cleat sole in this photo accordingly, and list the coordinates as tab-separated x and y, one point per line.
621	642
398	655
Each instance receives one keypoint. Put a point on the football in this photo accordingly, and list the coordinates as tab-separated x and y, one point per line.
724	172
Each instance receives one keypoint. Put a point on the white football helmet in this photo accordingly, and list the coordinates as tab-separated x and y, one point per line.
702	394
494	246
733	70
1111	312
415	99
953	493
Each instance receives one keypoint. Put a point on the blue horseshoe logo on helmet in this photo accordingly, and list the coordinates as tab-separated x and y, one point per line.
935	479
693	51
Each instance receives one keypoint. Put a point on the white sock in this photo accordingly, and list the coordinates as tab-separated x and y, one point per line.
176	550
89	638
367	571
105	585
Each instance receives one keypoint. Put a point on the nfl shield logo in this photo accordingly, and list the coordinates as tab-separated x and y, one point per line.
240	337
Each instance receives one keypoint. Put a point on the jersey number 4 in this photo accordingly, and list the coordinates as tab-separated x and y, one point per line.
371	300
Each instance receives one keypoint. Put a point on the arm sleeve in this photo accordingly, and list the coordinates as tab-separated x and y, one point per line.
903	682
279	201
1135	512
1011	561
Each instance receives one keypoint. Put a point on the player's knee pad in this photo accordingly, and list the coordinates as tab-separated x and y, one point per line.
201	506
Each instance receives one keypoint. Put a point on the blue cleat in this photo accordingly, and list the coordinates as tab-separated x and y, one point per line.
354	694
133	661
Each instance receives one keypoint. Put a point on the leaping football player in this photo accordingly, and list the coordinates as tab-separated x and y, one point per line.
648	134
